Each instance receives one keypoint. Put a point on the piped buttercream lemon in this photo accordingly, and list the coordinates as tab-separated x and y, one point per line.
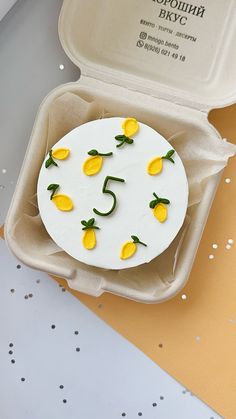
130	127
155	166
128	249
62	202
92	165
161	212
60	153
89	239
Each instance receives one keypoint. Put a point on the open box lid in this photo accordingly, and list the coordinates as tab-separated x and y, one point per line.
177	50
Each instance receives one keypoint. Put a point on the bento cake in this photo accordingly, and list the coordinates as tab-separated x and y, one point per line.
113	193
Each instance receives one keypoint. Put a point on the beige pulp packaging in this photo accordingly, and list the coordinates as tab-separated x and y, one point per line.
166	63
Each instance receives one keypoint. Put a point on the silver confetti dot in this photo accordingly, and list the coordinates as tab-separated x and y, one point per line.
230	241
215	246
61	66
211	257
184	297
228	247
227	180
4	171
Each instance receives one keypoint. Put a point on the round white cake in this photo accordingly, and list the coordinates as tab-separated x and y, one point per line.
113	193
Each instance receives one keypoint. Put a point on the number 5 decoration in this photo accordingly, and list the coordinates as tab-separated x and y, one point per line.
108	191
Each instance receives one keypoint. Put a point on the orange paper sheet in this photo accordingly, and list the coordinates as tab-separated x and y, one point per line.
194	339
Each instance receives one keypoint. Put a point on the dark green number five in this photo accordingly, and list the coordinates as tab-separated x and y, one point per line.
105	190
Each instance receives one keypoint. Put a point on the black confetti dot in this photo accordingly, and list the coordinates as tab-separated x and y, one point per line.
30	295
26	297
63	290
12	290
77	349
37	281
161	398
76	332
154	404
10	352
22	379
11	345
160	345
140	414
13	361
61	386
53	326
18	266
123	414
100	305
64	401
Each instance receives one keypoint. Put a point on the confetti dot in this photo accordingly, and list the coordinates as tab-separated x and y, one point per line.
22	379
37	281
26	297
215	246
61	386
61	66
11	345
184	391
63	290
197	338
161	398
123	414
64	401
4	171
154	404
230	241
227	180
228	247
18	266
12	290
13	361
77	349
184	297
140	414
76	332
53	326
211	257
100	305
10	352
30	295
160	345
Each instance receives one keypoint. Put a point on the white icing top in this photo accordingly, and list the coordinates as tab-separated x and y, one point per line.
132	215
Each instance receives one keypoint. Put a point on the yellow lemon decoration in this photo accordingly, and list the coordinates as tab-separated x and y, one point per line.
58	154
62	202
61	153
89	238
161	213
156	164
93	164
129	248
158	205
130	127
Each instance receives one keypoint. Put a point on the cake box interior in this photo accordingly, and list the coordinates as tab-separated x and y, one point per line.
135	64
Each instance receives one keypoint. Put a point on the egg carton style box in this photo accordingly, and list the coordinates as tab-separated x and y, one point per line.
166	63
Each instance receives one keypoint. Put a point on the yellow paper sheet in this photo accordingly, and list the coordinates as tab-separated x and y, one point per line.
193	339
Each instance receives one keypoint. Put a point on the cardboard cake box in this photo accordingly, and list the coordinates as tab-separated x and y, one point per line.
166	63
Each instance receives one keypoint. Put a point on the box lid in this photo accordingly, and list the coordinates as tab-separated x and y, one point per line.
177	50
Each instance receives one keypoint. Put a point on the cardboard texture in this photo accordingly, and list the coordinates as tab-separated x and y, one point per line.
194	339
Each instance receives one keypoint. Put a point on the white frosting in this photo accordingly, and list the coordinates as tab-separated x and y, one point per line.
132	215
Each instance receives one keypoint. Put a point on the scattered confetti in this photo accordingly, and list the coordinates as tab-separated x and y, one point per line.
230	241
215	246
184	297
211	256
61	66
228	247
227	180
